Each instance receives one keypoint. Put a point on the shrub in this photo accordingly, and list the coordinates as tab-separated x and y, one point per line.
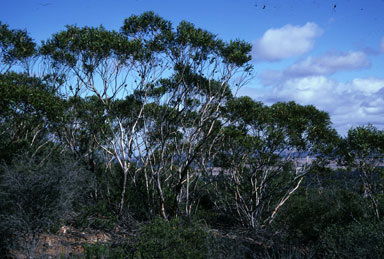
35	195
101	251
357	240
174	239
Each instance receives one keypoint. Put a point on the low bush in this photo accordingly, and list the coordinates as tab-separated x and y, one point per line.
357	240
103	251
173	239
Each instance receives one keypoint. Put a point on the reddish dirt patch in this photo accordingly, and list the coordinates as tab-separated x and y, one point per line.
67	242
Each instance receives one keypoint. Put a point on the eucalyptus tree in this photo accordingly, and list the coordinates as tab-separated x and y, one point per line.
181	122
261	157
16	48
363	152
83	129
185	74
22	98
105	64
30	111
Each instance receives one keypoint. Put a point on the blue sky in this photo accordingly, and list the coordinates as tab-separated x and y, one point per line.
329	53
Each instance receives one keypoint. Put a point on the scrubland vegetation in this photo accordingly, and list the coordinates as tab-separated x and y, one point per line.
137	134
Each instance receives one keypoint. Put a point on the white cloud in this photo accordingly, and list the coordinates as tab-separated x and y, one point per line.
357	102
368	85
287	41
327	64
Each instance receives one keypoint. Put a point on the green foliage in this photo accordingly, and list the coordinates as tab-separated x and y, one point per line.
306	127
283	125
362	151
21	94
104	251
330	218
147	22
149	31
236	52
15	47
36	194
85	46
365	141
260	149
357	240
99	215
308	214
174	239
29	110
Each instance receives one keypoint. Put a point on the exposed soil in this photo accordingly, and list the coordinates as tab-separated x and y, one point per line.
66	243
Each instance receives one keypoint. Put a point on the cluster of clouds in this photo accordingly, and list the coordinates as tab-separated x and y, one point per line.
286	42
327	64
308	80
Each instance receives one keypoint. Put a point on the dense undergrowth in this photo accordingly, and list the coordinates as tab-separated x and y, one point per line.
325	218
